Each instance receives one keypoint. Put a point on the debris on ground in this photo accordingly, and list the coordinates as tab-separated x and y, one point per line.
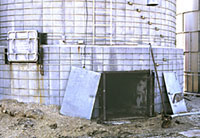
21	120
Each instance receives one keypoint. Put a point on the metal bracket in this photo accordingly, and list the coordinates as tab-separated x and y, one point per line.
6	56
41	70
40	60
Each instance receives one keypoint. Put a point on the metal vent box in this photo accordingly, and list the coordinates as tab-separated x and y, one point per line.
23	46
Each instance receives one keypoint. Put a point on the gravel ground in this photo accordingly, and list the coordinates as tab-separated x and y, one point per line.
21	120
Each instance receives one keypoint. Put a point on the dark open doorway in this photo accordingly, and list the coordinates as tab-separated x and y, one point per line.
127	94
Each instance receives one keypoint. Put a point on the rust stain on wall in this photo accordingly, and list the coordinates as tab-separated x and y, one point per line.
11	78
79	50
40	86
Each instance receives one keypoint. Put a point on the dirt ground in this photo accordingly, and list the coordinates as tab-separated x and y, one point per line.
20	120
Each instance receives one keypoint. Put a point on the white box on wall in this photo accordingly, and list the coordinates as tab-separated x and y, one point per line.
23	46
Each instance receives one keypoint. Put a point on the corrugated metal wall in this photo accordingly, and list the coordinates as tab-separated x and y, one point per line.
188	37
98	22
23	81
122	29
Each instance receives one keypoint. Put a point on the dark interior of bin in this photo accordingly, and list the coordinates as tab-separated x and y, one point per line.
129	94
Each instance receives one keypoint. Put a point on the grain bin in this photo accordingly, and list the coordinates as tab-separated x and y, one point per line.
100	35
188	37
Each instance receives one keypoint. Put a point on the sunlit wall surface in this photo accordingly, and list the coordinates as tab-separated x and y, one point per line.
98	22
102	35
188	37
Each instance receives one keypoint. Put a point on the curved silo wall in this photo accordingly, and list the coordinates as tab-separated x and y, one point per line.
106	35
100	21
188	37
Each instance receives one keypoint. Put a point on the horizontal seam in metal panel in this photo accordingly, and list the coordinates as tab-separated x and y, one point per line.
98	48
90	21
116	16
187	12
57	34
145	23
106	2
74	36
117	40
191	51
188	32
48	96
166	39
27	79
72	20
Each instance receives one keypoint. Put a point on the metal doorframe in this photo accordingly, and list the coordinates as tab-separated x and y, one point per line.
150	92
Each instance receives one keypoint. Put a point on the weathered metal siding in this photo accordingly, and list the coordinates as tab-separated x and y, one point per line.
188	37
23	81
100	22
128	28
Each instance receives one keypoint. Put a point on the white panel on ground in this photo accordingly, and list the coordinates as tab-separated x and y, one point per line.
80	93
191	133
175	93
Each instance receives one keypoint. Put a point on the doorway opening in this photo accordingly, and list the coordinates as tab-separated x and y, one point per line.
126	94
